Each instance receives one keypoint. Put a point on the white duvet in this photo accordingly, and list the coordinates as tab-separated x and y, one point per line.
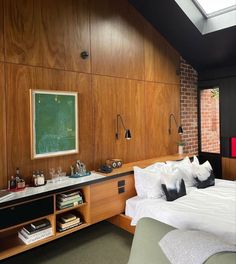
212	210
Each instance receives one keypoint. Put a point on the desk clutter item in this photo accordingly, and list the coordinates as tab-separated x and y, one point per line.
36	231
68	221
105	169
57	174
114	163
67	200
16	183
38	178
78	170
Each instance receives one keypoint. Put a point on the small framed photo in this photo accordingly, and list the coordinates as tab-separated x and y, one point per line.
54	123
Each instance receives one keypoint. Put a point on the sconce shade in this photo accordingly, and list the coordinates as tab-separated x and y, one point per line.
127	134
180	130
127	131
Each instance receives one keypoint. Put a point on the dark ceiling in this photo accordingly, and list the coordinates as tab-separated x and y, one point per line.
204	52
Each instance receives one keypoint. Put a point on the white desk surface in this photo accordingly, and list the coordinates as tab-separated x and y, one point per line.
52	186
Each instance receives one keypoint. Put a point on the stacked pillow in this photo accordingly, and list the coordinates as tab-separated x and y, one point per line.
170	178
173	184
203	174
185	170
157	180
148	181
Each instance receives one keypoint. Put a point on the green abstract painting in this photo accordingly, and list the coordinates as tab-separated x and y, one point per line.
54	123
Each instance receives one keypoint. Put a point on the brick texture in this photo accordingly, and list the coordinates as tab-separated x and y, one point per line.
210	123
188	106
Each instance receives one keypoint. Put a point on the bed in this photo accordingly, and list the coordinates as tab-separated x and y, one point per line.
212	210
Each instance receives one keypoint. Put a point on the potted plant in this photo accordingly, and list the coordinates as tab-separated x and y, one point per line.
181	145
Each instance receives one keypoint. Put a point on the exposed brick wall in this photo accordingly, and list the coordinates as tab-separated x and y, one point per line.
210	123
188	106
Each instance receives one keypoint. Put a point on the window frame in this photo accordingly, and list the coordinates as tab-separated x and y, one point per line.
199	120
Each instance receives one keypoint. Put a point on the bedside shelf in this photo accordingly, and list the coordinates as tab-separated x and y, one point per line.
71	230
13	245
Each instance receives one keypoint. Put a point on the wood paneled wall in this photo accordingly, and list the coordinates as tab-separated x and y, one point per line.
229	169
131	71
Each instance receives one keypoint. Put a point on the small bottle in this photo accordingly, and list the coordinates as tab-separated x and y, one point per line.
17	176
37	178
42	178
34	179
12	183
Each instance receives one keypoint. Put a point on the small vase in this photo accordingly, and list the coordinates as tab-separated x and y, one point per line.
181	150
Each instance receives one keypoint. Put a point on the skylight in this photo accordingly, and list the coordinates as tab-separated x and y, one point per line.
215	7
210	15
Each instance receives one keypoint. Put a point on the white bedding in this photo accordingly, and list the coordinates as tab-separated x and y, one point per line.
212	210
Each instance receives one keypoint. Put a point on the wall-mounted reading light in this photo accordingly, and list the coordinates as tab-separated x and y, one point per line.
127	131
180	129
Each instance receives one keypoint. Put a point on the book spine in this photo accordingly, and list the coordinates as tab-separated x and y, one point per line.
68	220
63	225
35	235
79	200
43	225
66	228
34	231
61	199
68	205
64	195
34	239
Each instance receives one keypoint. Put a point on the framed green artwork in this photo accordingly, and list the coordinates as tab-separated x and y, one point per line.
54	123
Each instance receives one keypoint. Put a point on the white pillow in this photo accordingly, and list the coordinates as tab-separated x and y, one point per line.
155	167
184	169
147	183
170	176
195	160
203	171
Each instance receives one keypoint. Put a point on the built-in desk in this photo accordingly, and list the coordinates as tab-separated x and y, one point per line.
104	197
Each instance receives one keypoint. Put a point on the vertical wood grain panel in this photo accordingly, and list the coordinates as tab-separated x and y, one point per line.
131	105
161	60
22	35
114	96
229	168
19	80
161	100
48	33
105	112
1	32
117	39
3	153
77	35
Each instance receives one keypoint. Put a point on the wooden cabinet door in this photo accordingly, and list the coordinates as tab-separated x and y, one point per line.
1	32
229	169
47	33
106	199
117	39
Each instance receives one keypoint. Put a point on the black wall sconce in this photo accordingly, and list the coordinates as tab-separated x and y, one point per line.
127	131
180	129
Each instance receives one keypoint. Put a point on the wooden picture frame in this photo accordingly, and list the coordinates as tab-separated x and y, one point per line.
54	123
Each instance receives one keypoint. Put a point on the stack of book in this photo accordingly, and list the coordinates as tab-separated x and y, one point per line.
67	200
35	231
68	221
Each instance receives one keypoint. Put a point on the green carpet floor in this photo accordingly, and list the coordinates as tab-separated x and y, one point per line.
102	243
